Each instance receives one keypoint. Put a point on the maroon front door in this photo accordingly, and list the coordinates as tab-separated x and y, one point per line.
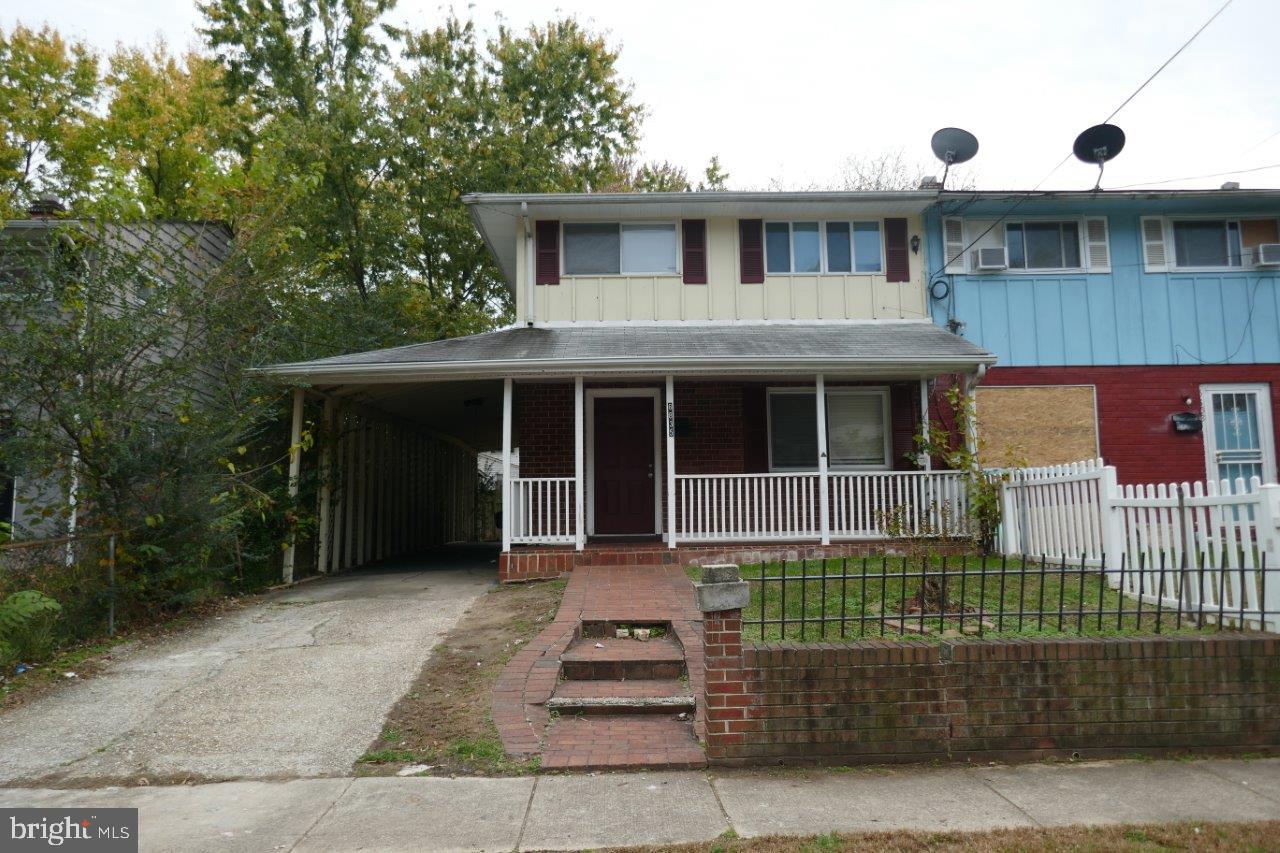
624	477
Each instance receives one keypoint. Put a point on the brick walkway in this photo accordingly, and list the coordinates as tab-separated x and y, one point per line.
621	690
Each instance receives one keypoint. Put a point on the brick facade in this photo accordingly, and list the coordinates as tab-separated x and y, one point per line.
724	426
883	701
1135	406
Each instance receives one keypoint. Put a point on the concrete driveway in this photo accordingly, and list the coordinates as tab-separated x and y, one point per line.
294	686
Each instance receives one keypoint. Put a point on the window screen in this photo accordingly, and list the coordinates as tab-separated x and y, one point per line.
793	431
807	250
649	248
839	249
855	429
592	248
1206	243
777	247
866	243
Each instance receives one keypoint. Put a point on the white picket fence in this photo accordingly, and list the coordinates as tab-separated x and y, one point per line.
1196	546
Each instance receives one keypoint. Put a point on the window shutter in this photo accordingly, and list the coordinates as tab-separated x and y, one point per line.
695	250
547	250
953	245
751	251
1155	255
1099	247
897	262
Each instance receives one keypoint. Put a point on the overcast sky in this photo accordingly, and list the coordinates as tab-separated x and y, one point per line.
789	91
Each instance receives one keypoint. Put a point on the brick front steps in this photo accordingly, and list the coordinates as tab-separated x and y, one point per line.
618	706
640	711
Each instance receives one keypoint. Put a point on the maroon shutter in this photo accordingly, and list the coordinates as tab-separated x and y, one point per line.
897	261
751	250
695	250
547	265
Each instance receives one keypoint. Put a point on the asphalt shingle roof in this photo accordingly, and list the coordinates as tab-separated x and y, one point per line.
844	342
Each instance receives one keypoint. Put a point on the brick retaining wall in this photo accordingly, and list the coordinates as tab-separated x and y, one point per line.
883	701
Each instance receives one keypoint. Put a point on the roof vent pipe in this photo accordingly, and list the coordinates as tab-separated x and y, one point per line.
530	274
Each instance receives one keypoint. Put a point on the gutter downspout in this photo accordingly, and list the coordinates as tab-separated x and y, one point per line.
531	312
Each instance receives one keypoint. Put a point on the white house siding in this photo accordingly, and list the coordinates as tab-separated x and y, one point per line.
586	299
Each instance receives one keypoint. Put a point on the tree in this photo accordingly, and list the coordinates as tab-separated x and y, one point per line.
715	178
169	137
310	70
47	91
886	171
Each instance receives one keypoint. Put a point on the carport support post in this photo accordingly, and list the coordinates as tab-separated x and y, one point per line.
579	466
671	461
926	459
507	502
326	486
295	471
824	523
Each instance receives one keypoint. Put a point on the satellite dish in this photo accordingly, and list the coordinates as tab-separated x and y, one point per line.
1098	144
952	145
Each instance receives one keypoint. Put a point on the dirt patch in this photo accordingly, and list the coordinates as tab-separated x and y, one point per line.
1144	837
444	721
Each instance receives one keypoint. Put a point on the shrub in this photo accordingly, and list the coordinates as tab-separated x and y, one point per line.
26	626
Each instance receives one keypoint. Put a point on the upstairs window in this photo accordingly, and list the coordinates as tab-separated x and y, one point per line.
822	247
627	248
1043	245
1207	243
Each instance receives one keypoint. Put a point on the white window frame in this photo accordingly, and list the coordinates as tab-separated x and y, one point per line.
1081	241
833	391
822	247
1171	242
679	273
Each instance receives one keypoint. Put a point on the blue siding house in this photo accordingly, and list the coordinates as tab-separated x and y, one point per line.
1145	324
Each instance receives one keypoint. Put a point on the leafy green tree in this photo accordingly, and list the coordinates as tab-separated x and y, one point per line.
169	137
714	178
47	92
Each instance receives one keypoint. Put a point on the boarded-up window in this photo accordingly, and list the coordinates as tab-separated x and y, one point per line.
1037	425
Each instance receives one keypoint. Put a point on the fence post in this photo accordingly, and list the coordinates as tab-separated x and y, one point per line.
1267	521
721	596
1110	521
1009	522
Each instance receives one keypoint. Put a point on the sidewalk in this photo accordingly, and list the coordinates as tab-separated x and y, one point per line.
586	811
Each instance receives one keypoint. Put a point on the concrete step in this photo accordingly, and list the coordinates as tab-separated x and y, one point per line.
610	658
641	696
622	742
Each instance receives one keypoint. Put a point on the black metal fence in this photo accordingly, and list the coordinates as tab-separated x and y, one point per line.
894	597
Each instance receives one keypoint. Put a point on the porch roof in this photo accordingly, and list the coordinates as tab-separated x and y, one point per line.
891	349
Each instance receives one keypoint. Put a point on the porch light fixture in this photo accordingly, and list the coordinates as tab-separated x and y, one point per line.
915	244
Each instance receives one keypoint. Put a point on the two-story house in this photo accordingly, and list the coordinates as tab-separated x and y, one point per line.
689	374
1140	326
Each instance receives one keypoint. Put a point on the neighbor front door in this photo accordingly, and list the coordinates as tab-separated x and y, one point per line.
623	481
1237	432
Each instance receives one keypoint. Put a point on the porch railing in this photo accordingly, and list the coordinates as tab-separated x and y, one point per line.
542	510
786	506
725	507
916	503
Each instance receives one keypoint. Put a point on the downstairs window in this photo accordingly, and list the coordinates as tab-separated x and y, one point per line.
857	429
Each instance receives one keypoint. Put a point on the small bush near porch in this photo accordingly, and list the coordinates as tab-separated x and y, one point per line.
933	598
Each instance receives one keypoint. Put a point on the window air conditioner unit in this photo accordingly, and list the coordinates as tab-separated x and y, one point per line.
994	258
1267	255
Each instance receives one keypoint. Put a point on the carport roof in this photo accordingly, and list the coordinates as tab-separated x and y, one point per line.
898	348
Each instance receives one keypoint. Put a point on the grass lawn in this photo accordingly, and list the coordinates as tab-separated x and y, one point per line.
881	597
1130	839
444	720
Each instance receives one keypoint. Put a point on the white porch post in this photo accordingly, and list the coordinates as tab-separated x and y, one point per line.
971	433
326	488
824	522
671	461
579	466
295	471
926	460
508	503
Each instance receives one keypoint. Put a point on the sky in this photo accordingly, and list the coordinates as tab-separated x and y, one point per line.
785	94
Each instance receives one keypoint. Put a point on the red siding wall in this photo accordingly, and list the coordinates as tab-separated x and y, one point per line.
1134	409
